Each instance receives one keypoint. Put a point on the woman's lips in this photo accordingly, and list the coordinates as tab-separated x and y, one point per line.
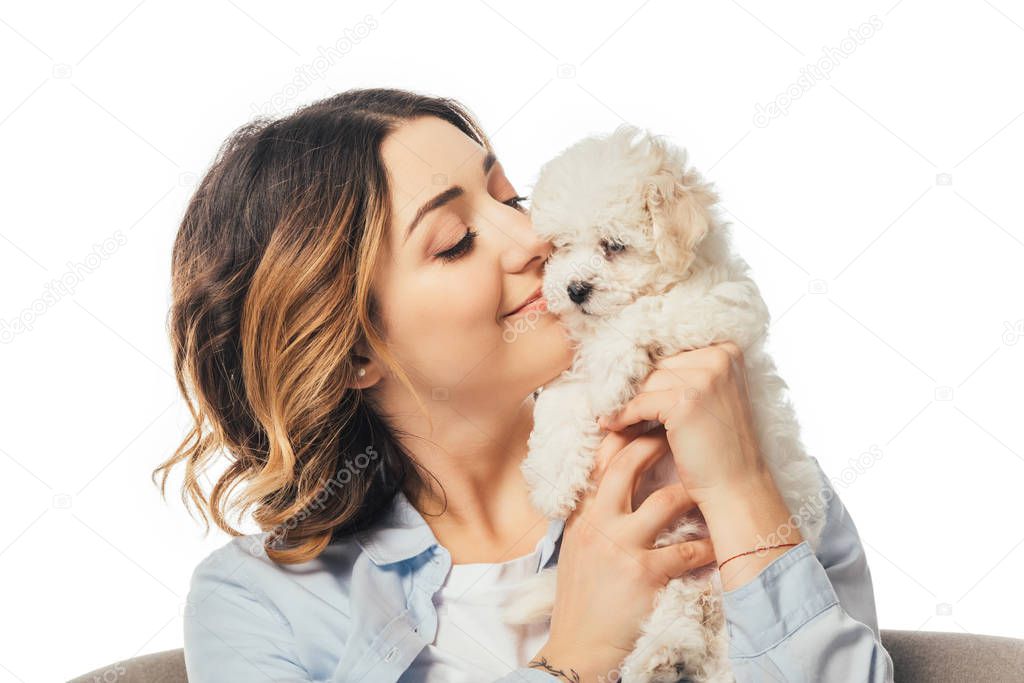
539	304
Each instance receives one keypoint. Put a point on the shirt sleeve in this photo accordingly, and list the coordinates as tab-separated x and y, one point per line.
230	634
810	618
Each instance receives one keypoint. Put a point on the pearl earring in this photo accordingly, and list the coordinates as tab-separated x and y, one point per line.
362	372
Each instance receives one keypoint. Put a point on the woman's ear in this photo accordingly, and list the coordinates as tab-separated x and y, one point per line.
366	368
680	213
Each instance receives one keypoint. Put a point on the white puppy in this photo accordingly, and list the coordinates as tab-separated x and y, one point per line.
642	269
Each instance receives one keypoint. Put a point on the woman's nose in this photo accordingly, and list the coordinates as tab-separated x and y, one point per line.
525	247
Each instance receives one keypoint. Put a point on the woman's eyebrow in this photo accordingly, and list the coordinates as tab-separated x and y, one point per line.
448	195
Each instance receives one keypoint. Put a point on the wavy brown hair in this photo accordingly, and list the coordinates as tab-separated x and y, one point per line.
271	273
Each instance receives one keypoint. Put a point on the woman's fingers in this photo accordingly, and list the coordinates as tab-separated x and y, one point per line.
650	405
678	369
679	558
675	379
610	445
622	474
661	509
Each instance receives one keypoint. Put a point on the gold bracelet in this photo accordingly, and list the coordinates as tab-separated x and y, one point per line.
755	550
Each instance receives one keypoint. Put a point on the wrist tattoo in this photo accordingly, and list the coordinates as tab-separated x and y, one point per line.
542	663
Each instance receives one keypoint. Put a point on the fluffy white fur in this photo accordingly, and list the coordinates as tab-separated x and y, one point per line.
673	285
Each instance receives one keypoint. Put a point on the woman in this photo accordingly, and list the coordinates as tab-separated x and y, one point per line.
345	281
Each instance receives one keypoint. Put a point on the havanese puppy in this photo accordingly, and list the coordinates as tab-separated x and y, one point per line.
642	269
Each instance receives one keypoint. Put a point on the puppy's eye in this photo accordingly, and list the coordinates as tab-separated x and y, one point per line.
612	246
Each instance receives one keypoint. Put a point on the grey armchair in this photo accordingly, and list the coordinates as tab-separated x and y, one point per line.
919	656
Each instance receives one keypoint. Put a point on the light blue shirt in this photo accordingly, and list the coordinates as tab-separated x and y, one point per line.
364	609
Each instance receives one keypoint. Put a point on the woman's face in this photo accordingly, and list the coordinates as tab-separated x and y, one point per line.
444	293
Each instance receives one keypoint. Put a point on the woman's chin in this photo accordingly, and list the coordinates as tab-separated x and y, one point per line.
541	348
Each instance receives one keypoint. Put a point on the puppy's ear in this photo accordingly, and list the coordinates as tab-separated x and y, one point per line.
680	213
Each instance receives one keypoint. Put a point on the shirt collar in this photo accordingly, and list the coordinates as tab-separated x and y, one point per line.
403	534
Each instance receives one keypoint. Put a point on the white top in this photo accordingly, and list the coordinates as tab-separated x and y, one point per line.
473	644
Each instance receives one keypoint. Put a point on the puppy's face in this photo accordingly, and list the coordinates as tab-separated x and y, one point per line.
624	216
598	270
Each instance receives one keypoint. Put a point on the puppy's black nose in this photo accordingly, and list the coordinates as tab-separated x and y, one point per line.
579	291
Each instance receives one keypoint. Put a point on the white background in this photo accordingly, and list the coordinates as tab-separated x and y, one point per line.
881	215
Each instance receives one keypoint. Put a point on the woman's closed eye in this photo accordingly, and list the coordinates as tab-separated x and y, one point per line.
516	202
461	248
464	245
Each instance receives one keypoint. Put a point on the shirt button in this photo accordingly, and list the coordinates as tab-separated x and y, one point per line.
436	560
391	654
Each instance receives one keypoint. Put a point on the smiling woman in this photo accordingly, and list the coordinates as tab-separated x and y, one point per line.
272	320
340	282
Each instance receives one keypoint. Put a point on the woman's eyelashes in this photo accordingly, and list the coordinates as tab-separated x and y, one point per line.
517	202
460	249
466	243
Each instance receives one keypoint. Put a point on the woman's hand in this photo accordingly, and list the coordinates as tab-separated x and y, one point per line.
608	571
700	396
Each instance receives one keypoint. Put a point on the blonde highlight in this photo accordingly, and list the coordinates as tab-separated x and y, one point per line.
271	292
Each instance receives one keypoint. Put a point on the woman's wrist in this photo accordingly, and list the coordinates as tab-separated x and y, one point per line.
555	666
748	515
566	664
